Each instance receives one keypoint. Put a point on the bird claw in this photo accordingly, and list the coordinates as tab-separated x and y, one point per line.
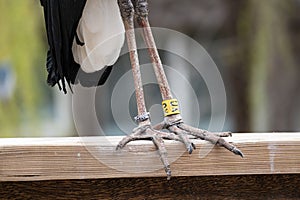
169	174
191	148
236	151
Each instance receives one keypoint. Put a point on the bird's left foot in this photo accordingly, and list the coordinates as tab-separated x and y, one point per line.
175	125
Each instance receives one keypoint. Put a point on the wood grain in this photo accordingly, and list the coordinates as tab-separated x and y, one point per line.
36	159
239	187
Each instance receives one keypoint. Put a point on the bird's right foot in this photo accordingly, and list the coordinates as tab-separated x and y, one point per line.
145	132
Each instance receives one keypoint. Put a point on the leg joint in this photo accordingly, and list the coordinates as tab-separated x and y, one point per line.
126	9
141	9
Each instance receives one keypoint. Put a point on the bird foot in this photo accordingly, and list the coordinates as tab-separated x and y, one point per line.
186	132
178	131
146	132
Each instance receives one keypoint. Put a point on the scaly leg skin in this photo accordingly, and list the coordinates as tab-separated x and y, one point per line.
173	120
144	130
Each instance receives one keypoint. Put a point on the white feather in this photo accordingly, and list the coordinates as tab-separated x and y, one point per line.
102	31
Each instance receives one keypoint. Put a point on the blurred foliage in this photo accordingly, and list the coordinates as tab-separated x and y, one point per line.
21	46
271	66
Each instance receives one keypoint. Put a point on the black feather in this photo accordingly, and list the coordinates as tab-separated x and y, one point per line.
62	19
93	79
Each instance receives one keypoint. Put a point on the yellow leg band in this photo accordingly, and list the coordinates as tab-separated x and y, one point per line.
170	107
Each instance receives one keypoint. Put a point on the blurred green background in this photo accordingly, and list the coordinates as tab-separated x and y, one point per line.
254	43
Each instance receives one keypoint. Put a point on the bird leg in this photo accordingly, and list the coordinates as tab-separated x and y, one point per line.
144	130
173	120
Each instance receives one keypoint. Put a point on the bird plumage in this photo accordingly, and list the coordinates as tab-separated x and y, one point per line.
80	47
102	31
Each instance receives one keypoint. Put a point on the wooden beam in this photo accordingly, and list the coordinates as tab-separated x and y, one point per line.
32	159
276	186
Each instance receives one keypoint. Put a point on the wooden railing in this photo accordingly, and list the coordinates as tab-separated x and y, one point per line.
91	168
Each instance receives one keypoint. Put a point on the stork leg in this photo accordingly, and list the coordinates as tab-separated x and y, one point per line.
144	130
174	123
173	120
